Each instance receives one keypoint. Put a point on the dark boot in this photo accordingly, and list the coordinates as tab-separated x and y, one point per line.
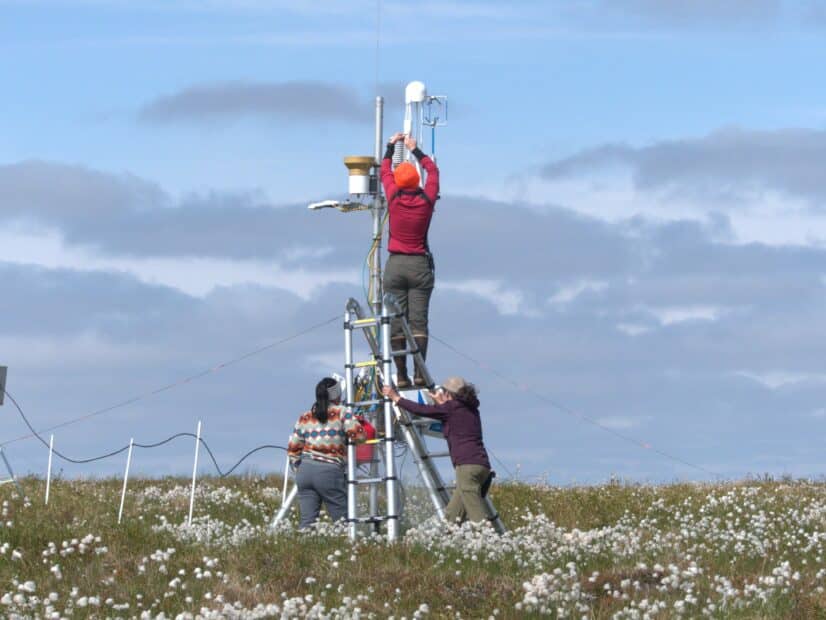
402	380
421	342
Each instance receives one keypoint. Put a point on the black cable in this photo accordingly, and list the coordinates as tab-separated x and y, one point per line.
221	474
58	453
251	452
180	382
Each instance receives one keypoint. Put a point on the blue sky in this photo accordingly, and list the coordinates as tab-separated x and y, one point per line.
631	223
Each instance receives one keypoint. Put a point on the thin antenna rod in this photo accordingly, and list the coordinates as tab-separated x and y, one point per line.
378	44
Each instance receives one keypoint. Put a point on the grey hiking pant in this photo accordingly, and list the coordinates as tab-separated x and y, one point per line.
410	277
318	481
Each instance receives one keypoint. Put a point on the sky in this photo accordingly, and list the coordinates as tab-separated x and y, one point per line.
630	245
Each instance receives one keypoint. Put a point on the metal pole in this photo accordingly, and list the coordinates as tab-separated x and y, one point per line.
125	478
285	506
352	529
11	473
286	479
49	468
194	474
390	459
379	127
376	275
378	213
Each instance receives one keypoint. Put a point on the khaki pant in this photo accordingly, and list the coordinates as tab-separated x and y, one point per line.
467	501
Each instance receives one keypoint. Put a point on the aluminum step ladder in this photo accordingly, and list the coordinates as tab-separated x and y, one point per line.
413	428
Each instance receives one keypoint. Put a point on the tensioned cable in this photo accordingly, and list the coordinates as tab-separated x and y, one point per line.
173	385
221	474
575	414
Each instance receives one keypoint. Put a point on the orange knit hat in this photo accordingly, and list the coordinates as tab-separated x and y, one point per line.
406	175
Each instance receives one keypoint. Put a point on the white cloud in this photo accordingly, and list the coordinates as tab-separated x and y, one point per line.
677	314
506	301
775	379
84	349
768	217
633	329
193	276
567	294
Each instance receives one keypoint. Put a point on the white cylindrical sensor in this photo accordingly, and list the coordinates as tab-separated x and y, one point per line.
359	184
359	167
415	92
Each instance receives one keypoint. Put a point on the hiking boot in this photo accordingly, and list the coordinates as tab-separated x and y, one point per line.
418	379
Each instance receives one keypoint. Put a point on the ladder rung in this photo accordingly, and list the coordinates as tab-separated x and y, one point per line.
367	480
423	421
435	455
366	364
364	322
404	352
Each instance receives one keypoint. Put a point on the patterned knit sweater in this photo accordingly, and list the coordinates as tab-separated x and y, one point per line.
324	442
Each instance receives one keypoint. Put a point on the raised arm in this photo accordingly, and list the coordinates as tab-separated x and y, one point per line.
387	179
437	411
431	184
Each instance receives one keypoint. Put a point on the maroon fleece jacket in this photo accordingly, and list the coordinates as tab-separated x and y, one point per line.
410	210
461	426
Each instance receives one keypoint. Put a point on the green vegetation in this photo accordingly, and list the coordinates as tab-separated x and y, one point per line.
746	550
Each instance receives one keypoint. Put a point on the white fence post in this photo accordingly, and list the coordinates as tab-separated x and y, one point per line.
194	474
286	479
49	468
125	479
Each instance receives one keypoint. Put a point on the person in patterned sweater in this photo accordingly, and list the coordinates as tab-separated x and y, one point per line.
318	451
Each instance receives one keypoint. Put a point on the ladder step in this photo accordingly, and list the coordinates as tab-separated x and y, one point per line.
404	352
367	364
367	481
435	455
362	323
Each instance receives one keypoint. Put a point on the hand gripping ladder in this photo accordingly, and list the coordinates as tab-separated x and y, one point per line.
412	427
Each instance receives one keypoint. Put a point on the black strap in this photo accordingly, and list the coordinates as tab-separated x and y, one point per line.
487	483
417	192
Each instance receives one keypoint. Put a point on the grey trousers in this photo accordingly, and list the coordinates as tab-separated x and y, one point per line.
410	278
317	482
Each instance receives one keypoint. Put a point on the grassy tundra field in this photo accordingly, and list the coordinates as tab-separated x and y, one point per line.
745	550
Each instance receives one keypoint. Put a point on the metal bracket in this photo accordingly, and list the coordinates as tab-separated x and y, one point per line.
434	111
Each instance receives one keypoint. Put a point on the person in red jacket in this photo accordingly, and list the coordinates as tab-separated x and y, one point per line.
410	271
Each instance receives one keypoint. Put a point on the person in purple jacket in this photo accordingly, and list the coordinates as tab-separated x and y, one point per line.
457	407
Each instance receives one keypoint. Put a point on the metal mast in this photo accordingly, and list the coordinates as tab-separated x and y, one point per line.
377	211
